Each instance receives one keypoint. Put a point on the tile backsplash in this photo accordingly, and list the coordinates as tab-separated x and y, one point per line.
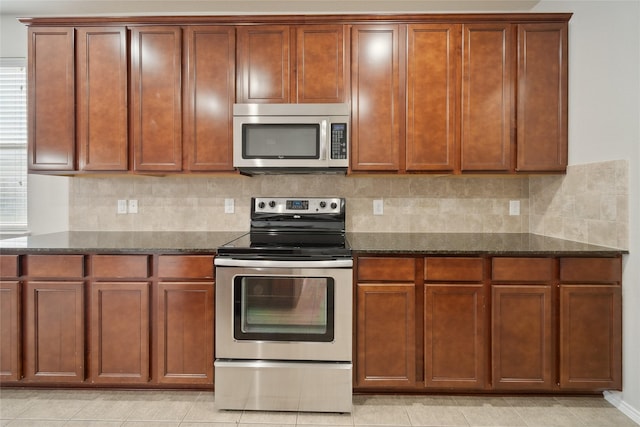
550	205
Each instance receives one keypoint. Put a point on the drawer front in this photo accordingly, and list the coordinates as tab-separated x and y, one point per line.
185	266
55	266
590	270
120	266
453	269
9	266
523	269
386	269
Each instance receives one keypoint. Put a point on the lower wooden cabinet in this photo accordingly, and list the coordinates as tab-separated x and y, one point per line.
54	331
185	332
10	354
119	328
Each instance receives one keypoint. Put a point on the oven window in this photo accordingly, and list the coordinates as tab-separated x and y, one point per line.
284	308
281	141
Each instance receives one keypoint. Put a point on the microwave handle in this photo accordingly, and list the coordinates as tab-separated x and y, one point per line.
323	140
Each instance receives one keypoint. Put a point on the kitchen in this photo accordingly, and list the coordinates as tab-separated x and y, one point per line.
192	203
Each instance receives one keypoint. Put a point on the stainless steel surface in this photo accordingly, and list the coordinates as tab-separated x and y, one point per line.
227	347
234	262
283	386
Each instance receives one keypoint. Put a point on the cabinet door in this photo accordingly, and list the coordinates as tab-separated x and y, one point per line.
522	339
185	337
264	64
101	82
590	337
10	342
376	115
51	99
487	104
386	328
455	345
156	102
432	91
54	331
209	94
320	63
119	332
542	97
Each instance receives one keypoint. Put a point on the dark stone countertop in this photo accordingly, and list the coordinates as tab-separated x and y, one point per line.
120	242
505	244
194	242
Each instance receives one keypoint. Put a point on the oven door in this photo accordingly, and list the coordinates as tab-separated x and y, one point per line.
284	313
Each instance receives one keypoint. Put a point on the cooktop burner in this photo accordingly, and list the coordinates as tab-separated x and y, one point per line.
311	227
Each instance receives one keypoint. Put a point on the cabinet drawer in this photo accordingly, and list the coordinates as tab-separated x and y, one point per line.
590	270
9	266
453	269
55	266
116	266
386	269
185	266
523	269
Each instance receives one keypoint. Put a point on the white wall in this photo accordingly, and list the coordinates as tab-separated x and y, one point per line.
604	113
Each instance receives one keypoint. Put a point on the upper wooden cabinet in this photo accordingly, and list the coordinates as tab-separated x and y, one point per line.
156	99
376	98
101	98
51	105
291	64
542	133
209	94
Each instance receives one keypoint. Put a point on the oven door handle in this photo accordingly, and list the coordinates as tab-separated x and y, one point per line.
333	263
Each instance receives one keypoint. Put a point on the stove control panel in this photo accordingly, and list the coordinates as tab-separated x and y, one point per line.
301	205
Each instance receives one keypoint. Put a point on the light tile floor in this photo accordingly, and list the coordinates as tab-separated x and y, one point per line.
110	408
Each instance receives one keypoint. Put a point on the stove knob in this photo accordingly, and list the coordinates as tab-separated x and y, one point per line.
334	205
261	205
323	204
272	204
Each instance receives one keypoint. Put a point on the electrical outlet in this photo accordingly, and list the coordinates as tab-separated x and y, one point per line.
229	206
378	207
514	207
133	206
122	206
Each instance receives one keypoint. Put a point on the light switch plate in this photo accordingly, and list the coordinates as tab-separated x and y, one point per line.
229	206
378	207
514	207
122	206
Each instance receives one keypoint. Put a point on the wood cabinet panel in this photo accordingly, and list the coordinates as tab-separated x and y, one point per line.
506	269
185	335
522	339
101	90
590	337
386	335
453	269
10	331
9	266
185	266
542	132
156	100
487	91
51	106
321	74
209	94
264	64
119	332
120	266
433	86
591	270
55	266
455	345
54	332
376	98
386	269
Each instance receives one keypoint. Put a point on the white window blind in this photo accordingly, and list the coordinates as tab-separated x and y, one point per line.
13	145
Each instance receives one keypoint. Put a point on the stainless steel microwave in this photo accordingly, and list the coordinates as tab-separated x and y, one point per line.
291	138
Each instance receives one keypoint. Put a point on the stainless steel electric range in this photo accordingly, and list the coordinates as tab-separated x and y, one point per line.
284	309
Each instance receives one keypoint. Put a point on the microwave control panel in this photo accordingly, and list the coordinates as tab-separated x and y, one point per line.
338	140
